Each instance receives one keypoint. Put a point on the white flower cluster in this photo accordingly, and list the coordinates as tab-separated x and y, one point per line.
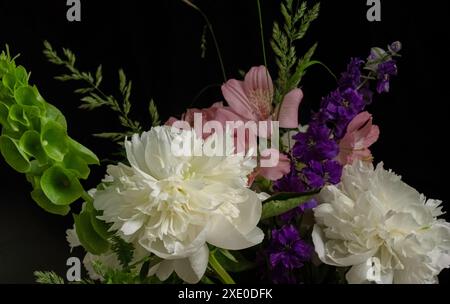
380	227
173	205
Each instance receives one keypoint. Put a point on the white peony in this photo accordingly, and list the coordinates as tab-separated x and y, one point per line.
173	205
381	227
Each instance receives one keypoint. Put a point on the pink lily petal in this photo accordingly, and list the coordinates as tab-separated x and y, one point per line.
282	168
358	122
259	90
361	134
373	136
234	93
289	109
258	79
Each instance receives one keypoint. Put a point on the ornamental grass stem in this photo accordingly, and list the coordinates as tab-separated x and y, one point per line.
219	270
211	30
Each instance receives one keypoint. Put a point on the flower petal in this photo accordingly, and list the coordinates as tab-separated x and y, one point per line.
162	270
249	213
234	93
192	269
258	78
224	234
282	168
289	109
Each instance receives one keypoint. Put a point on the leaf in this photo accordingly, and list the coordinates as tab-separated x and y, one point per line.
152	109
100	227
300	70
48	278
98	76
53	114
54	140
282	203
228	255
61	186
13	154
123	250
122	80
17	115
21	75
87	155
77	165
9	81
240	265
43	202
30	143
90	239
114	136
4	112
26	96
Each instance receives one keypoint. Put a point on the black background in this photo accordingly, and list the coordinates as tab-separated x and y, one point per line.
158	45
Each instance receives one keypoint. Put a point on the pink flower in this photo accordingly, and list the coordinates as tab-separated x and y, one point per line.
208	114
252	98
361	134
282	168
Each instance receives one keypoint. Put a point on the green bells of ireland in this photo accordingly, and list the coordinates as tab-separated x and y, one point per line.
34	141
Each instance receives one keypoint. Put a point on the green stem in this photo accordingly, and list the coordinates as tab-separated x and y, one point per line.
219	270
261	28
211	30
87	197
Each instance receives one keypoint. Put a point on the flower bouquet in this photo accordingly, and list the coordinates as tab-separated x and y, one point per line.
234	190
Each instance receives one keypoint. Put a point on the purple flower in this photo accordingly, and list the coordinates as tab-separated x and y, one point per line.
287	252
340	107
294	213
291	182
315	144
384	72
352	77
318	174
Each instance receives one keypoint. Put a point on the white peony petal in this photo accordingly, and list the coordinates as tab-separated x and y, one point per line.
225	235
132	225
358	274
249	213
162	270
192	269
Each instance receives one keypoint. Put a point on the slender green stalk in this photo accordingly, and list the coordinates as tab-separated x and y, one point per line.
219	270
261	28
211	30
87	197
263	43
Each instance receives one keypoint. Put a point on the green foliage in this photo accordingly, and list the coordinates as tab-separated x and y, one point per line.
93	97
34	141
48	277
123	250
92	232
233	262
154	114
296	22
281	203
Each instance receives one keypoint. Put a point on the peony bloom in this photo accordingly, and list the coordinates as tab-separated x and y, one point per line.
361	134
172	206
380	227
